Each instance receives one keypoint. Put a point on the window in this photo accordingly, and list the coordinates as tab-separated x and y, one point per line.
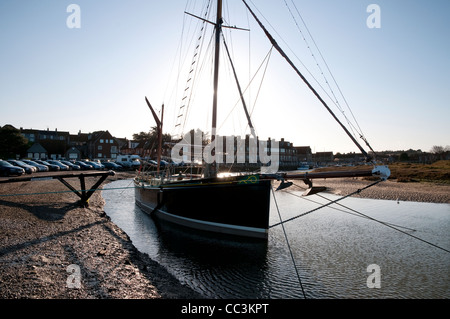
99	147
111	141
100	155
101	141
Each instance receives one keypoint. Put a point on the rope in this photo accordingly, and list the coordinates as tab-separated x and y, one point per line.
393	226
191	82
61	192
289	246
399	230
356	213
357	128
327	204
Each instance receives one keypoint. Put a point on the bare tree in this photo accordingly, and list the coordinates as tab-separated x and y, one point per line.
440	151
437	150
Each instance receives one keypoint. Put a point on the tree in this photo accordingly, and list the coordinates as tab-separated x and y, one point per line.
151	138
12	142
404	157
437	150
440	151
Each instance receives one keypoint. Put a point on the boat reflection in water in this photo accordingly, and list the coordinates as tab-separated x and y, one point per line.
235	264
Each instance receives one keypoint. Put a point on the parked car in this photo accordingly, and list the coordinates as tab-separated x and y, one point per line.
28	168
71	165
98	163
95	165
111	165
62	166
40	167
174	164
83	165
129	161
121	166
152	163
51	167
7	169
163	163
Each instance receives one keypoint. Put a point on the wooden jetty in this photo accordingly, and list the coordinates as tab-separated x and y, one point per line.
84	193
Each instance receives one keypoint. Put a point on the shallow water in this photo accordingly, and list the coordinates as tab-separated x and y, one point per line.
332	249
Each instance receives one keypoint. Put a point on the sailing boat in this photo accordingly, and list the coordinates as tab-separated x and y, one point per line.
235	205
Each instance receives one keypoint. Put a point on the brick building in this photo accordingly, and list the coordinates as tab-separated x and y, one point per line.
59	144
102	145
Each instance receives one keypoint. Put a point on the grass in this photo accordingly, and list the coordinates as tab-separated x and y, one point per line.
438	172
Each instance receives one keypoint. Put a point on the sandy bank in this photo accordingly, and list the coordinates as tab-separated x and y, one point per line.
389	190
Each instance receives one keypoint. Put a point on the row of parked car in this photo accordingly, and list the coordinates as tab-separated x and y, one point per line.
20	167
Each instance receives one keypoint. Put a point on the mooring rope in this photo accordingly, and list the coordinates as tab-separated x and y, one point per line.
60	192
350	211
393	226
325	205
288	245
399	230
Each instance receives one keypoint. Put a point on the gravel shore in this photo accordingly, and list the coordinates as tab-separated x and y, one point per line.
43	238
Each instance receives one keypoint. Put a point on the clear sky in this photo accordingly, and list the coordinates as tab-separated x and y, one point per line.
396	78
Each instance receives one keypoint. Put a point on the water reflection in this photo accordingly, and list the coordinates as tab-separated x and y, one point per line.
205	257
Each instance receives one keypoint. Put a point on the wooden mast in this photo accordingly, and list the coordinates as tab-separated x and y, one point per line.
160	136
159	124
211	170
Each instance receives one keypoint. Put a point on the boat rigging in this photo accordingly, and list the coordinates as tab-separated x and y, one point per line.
198	201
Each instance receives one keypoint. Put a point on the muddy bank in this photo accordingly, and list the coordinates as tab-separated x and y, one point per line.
43	236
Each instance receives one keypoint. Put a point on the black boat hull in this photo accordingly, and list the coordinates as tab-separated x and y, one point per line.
228	206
